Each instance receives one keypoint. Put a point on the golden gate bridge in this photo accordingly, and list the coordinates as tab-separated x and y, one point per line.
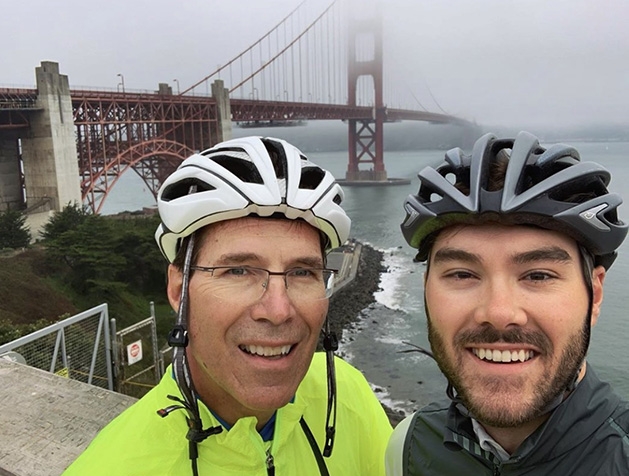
327	67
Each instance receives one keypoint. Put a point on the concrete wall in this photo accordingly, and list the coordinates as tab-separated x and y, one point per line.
35	223
223	111
47	420
10	182
49	149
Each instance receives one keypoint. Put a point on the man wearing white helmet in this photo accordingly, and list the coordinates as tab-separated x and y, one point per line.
246	226
517	240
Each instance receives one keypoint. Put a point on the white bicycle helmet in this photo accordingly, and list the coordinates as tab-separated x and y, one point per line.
550	188
249	176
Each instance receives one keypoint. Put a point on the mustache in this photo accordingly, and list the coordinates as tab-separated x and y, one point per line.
487	334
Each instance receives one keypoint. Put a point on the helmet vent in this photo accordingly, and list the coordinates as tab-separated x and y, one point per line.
242	168
337	199
590	188
182	188
311	177
278	157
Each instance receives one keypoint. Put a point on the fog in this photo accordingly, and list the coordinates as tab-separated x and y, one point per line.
523	64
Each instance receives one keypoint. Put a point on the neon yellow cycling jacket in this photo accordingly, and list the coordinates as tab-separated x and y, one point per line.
139	442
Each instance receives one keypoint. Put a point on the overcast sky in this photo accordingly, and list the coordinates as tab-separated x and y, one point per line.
554	62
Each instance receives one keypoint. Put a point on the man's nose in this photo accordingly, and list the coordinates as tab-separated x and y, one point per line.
276	303
500	306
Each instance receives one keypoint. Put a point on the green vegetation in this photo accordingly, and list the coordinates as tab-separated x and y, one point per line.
13	231
84	260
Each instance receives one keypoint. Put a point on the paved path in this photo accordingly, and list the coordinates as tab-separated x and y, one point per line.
347	264
46	420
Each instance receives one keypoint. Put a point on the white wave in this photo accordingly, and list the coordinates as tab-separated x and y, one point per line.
394	293
396	405
390	340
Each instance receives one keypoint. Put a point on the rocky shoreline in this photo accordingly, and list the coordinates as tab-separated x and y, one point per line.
346	305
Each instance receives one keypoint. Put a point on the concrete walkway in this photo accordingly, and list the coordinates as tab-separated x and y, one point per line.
46	421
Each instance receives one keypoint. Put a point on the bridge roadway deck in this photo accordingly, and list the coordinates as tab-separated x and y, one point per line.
48	420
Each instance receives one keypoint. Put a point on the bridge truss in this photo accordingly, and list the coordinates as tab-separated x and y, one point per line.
149	133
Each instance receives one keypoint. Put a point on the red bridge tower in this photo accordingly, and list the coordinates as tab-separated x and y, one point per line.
366	138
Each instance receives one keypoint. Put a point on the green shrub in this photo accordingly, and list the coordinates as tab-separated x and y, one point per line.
67	219
13	231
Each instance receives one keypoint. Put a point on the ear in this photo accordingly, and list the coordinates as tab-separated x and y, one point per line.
175	283
598	277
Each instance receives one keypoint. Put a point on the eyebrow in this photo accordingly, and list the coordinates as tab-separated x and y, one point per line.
236	258
244	258
444	255
549	253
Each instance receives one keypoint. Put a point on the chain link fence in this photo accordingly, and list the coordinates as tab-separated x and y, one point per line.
88	348
78	347
137	357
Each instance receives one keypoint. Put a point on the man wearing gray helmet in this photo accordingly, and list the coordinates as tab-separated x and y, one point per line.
246	226
517	240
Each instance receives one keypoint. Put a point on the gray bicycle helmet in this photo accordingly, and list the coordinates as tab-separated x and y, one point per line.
550	188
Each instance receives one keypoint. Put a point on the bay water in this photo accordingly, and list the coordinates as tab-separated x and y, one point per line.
376	345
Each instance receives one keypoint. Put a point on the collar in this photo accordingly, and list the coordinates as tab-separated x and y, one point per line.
487	443
266	432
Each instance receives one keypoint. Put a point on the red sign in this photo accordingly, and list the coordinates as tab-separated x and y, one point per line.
134	352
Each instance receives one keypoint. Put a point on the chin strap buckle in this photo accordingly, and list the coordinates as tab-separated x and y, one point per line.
330	342
329	441
197	436
178	336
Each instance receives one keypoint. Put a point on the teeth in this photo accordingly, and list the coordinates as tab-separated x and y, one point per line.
504	355
266	351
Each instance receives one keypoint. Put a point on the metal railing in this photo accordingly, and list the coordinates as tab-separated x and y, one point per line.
78	347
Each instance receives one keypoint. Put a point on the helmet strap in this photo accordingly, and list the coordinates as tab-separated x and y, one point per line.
330	344
178	339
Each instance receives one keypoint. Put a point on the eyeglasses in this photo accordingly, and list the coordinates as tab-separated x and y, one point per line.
248	283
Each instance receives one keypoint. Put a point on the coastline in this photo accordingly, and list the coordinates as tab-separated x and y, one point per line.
348	302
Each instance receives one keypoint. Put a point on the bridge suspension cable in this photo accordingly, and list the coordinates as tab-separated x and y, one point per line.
301	59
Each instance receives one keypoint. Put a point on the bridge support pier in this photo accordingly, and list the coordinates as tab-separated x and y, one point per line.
369	139
223	111
49	152
10	175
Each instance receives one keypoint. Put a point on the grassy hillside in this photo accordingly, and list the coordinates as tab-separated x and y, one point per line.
26	294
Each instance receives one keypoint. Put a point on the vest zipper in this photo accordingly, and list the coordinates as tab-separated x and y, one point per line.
270	466
496	471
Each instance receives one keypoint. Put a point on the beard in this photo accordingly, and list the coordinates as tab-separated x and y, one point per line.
510	407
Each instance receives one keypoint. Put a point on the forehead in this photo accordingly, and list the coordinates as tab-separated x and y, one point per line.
496	238
253	232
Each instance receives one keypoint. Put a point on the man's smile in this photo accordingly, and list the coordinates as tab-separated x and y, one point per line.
267	351
503	356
